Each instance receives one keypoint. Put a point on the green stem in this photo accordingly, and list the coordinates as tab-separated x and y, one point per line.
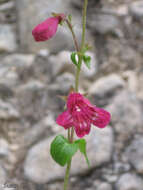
84	13
84	24
73	35
71	133
66	180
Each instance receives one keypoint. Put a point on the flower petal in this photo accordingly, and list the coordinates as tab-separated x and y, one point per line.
100	117
82	126
82	129
46	30
65	119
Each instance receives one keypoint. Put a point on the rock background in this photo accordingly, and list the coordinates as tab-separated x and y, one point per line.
33	75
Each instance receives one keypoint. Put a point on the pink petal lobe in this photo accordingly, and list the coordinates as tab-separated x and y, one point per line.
100	117
82	130
81	125
65	120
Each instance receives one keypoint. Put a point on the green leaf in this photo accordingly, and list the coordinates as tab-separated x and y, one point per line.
62	151
82	147
74	57
87	60
86	48
70	18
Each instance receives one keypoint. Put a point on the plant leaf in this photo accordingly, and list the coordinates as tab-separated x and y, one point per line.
70	18
62	151
87	60
82	147
74	58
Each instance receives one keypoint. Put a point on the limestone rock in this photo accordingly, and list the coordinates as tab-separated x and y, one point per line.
65	81
102	186
60	63
105	88
7	38
11	68
4	147
128	182
18	60
134	153
136	9
104	24
3	176
8	111
126	116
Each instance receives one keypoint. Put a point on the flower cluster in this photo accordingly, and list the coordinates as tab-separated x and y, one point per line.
80	114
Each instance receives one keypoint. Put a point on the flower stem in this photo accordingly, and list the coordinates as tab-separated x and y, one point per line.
66	179
84	13
71	133
67	175
73	34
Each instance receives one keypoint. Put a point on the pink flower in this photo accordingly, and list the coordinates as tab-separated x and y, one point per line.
80	114
47	29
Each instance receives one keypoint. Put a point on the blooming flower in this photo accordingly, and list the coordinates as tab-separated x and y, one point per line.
47	29
80	114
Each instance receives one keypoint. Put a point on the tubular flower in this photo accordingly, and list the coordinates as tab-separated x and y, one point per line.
47	29
80	114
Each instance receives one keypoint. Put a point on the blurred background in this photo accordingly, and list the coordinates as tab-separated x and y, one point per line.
32	75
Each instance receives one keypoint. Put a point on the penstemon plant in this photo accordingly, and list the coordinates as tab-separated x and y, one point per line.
79	113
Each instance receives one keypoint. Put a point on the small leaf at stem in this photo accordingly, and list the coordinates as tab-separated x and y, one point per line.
61	150
70	18
82	147
74	58
87	60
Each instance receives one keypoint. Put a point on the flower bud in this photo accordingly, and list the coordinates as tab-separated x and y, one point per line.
47	29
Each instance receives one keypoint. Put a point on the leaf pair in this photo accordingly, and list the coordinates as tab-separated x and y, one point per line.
85	58
62	151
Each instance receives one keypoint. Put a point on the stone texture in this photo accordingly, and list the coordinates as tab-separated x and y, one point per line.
126	115
65	86
60	62
104	23
44	128
134	153
8	111
13	68
129	182
4	147
39	163
3	176
103	186
7	38
8	76
105	88
136	9
18	60
37	94
5	91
